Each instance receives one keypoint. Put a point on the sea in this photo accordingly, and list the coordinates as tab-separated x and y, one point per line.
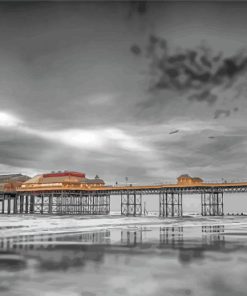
112	255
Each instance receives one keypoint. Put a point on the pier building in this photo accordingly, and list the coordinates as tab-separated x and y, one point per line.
9	183
8	186
188	180
62	180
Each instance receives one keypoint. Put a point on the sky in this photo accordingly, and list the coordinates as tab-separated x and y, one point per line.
144	90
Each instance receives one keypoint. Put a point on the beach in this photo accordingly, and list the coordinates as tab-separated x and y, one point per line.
114	255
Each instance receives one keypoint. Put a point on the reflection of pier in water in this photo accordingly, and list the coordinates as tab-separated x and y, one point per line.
212	239
131	238
172	236
216	240
169	237
56	251
62	251
51	240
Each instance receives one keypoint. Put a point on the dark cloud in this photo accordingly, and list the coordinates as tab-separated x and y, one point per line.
204	96
22	150
196	70
135	49
219	112
138	8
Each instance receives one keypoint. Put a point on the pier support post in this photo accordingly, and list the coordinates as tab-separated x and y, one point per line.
79	203
26	204
50	203
212	203
9	204
2	204
98	204
42	204
131	203
170	204
15	204
31	204
21	203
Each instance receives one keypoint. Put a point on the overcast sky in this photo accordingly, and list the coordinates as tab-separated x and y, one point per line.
121	89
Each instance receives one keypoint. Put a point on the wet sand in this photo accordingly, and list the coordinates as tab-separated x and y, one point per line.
123	256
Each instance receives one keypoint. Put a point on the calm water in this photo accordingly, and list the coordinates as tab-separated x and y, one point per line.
120	256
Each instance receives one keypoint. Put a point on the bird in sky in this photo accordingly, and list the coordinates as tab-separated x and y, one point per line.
173	132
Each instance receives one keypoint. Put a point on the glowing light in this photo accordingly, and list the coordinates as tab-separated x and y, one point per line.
8	120
77	138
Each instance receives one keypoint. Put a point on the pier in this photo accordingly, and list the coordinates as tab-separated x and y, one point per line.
71	193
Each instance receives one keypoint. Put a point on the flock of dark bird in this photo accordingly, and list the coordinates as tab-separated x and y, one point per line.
177	131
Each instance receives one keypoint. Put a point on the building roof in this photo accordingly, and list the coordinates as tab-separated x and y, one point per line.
13	177
71	177
184	176
64	174
197	179
64	177
93	181
9	183
10	186
35	179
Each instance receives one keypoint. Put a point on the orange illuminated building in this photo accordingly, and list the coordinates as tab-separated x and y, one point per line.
9	183
188	180
61	180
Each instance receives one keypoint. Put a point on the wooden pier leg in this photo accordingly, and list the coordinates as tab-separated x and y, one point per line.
15	204
21	204
180	201
125	203
166	215
26	204
3	204
80	203
31	204
161	205
42	203
221	204
134	214
9	205
202	203
108	204
172	203
50	203
212	203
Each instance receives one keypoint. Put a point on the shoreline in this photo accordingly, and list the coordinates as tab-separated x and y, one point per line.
14	226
